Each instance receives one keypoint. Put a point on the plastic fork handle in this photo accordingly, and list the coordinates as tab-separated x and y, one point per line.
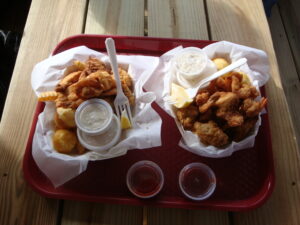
227	69
111	50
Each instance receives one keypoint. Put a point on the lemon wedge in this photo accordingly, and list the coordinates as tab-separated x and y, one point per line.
125	123
180	96
245	79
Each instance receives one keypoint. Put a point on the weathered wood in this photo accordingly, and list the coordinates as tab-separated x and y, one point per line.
289	10
230	21
47	24
115	17
158	216
76	213
288	73
178	19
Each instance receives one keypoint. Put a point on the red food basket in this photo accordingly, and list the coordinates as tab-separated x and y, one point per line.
245	180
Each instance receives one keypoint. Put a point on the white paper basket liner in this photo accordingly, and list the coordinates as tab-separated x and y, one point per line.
60	168
257	68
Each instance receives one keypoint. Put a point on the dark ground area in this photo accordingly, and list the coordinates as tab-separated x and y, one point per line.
12	21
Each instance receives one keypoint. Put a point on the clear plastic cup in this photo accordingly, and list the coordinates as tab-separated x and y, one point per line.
190	63
103	141
197	181
93	116
145	179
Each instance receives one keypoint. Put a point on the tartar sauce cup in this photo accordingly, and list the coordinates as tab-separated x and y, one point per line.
197	181
93	116
145	179
103	141
190	64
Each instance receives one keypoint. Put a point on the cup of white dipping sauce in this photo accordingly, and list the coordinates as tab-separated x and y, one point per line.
103	141
93	116
190	64
98	129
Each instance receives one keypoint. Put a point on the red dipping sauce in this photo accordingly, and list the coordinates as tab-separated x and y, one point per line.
197	181
145	179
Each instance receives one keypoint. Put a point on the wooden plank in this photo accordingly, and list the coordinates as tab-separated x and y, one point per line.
288	72
176	18
115	17
289	10
47	24
244	22
180	19
124	17
157	216
92	213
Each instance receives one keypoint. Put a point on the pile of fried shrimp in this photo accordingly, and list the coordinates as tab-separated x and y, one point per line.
83	81
225	111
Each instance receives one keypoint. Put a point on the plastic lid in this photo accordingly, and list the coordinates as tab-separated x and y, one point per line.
145	179
104	140
197	181
93	116
186	60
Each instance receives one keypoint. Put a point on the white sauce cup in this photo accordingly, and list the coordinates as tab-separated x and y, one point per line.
93	116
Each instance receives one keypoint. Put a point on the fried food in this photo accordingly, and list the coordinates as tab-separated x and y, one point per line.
48	96
224	111
210	134
92	65
240	132
65	102
187	116
227	106
82	81
67	81
91	80
252	108
64	141
67	116
79	148
202	97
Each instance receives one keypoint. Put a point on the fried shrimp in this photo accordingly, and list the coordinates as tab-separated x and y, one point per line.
252	108
227	110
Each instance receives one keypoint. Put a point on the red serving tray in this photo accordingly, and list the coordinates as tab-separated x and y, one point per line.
245	180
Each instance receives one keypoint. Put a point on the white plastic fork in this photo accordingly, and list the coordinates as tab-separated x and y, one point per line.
193	91
121	102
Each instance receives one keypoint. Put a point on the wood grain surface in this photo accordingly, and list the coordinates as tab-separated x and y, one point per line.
160	216
82	213
288	72
289	10
176	18
229	22
115	17
47	24
50	21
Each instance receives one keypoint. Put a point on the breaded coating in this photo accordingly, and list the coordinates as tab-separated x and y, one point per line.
210	134
187	116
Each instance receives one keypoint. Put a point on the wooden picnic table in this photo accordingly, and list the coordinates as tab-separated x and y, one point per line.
50	21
